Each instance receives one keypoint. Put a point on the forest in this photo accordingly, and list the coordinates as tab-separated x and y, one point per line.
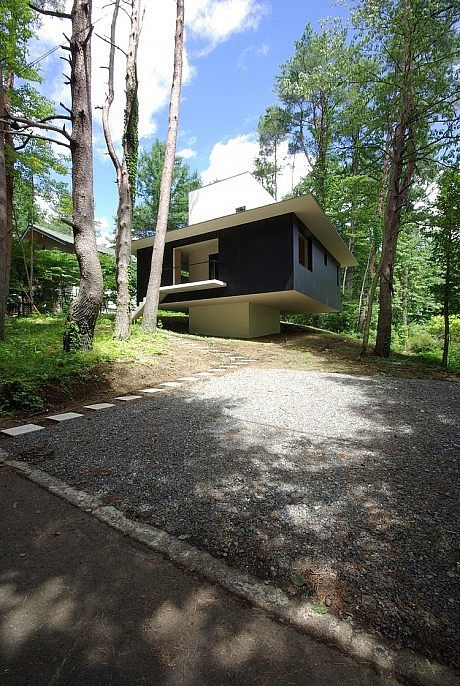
373	106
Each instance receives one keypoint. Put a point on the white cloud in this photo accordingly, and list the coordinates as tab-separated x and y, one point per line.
104	231
186	153
208	21
257	50
214	21
237	155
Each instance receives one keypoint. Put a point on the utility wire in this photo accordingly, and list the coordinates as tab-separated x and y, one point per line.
57	47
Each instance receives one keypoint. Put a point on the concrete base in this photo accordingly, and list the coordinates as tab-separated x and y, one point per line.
234	320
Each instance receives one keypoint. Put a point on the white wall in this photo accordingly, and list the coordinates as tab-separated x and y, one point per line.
224	197
234	320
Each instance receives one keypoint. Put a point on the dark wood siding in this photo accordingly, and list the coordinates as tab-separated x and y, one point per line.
319	282
254	258
261	257
257	258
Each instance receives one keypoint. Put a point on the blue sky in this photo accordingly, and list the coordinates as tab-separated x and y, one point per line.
233	51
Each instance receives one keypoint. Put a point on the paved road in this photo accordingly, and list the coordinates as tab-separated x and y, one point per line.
82	604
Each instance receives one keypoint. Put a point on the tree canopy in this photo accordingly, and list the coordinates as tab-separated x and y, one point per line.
148	191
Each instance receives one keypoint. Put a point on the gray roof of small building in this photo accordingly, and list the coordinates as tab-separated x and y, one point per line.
59	237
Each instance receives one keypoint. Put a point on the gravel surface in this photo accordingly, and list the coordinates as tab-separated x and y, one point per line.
338	488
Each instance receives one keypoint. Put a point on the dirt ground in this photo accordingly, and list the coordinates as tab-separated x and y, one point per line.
298	348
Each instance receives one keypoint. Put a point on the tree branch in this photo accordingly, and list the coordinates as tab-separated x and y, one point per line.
29	123
38	138
68	222
110	95
112	45
50	13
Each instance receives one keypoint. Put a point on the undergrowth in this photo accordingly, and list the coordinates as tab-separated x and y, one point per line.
32	356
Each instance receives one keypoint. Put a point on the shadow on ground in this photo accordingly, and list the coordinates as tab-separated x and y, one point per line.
81	604
339	489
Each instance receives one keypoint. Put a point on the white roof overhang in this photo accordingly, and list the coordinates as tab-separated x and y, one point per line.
304	207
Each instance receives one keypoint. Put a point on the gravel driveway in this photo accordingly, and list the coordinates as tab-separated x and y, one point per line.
338	488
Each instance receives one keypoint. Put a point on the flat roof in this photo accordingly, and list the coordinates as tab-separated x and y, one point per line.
304	207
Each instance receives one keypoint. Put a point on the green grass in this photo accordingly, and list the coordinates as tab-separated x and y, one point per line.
31	355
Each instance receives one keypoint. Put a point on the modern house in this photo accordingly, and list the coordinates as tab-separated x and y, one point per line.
244	260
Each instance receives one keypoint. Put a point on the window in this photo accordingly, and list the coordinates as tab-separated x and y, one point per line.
214	266
305	252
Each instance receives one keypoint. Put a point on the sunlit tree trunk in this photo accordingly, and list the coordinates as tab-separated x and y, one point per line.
81	320
6	206
149	322
126	169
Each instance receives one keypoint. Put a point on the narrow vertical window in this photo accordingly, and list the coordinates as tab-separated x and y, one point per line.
305	252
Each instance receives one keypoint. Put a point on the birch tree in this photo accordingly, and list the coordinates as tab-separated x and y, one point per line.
149	321
127	167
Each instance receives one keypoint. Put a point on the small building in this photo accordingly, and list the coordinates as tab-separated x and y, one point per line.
245	260
49	239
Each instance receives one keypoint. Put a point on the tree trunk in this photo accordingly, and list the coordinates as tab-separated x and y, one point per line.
446	307
365	310
81	320
402	168
6	208
368	316
149	322
401	173
391	231
126	169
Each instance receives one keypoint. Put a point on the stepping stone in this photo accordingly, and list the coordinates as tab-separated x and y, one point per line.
171	384
64	416
151	390
188	378
24	429
128	397
203	374
99	406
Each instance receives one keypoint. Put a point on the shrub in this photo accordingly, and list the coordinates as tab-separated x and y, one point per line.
18	395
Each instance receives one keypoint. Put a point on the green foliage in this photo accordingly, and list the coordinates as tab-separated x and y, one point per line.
436	328
16	28
425	341
445	237
31	356
18	395
313	87
131	137
148	191
55	274
273	129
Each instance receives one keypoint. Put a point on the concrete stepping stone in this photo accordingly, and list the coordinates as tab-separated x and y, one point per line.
128	397
99	406
64	416
24	429
151	390
188	378
171	384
